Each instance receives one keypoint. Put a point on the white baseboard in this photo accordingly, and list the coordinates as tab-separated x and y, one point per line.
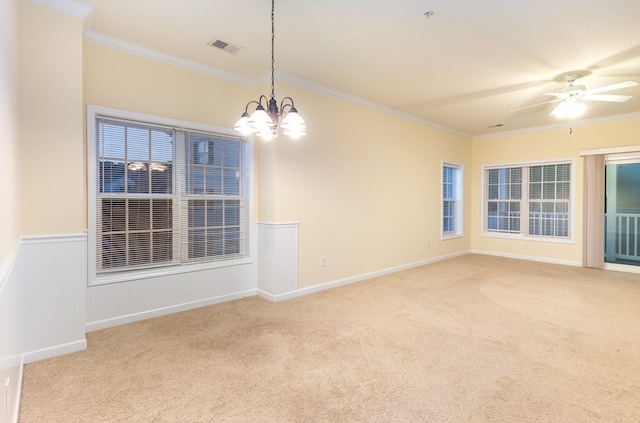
529	258
56	350
354	279
130	318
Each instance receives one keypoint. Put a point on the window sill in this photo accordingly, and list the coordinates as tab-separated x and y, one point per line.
131	275
521	237
445	237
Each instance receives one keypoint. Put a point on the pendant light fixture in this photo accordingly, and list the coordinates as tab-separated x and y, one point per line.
265	123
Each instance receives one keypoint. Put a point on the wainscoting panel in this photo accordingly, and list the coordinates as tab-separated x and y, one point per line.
115	304
278	259
54	276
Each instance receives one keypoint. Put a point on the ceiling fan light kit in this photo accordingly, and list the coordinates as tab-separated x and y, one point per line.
266	122
570	98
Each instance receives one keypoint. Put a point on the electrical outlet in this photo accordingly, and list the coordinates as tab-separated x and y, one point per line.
428	243
323	261
526	246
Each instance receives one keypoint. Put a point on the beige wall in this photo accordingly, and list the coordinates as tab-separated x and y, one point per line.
365	187
9	205
544	145
50	121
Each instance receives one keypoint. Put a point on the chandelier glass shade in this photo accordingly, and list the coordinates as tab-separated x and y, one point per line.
266	122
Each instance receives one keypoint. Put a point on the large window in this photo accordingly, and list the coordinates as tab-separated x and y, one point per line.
165	196
529	200
451	200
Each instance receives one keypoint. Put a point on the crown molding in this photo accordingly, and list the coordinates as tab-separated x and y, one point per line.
350	98
70	7
107	40
127	46
562	125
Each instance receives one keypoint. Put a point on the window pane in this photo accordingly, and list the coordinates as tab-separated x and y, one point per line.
161	178
231	154
232	240
197	243
196	213
137	178
214	180
113	215
162	214
563	190
114	251
535	174
516	175
549	173
231	182
215	242
231	213
493	176
162	250
139	215
137	141
548	190
139	248
563	172
161	146
110	140
217	153
493	192
215	212
195	181
516	192
535	191
111	176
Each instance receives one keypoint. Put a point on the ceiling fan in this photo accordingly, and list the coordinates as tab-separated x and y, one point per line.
569	96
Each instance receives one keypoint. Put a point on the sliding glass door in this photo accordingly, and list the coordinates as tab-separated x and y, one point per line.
622	211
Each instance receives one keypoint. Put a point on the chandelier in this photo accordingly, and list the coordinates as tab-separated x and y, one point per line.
265	123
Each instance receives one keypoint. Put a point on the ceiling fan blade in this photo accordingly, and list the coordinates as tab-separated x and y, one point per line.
537	104
606	97
558	95
611	87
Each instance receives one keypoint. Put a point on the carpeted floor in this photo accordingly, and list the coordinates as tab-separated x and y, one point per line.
471	339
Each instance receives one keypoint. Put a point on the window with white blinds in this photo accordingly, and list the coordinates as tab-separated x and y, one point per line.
451	200
531	200
166	196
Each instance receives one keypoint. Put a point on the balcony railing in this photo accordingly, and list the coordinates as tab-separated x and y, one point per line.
626	236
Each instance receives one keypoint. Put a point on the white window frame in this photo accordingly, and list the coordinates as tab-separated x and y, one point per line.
458	201
524	222
95	278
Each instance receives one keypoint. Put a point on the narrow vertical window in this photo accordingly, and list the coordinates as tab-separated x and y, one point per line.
451	200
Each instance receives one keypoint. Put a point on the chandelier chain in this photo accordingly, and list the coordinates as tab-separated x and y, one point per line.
272	49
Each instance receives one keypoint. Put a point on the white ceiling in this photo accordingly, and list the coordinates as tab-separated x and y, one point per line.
463	68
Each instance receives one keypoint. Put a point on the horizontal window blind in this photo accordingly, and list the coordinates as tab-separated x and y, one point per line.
532	200
213	205
166	196
451	199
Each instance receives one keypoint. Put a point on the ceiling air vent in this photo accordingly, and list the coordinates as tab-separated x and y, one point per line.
224	46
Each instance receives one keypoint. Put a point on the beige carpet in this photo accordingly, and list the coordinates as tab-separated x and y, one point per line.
472	339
